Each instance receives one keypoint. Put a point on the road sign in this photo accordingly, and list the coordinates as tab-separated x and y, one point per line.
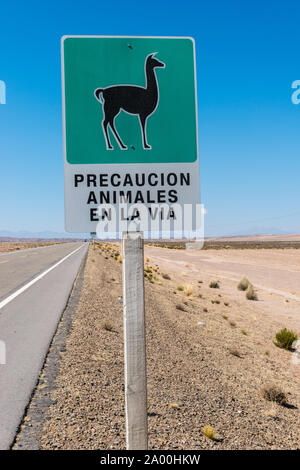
130	127
130	137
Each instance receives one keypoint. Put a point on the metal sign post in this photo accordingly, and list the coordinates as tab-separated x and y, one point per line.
134	341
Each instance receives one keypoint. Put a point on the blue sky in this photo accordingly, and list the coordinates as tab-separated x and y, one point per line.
247	58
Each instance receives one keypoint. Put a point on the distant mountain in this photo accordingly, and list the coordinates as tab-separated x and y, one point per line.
250	231
4	234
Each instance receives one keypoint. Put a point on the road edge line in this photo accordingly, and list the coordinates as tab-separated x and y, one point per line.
11	297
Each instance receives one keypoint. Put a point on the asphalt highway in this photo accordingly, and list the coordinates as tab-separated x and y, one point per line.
34	288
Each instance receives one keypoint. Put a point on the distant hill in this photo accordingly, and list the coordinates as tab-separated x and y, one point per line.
7	235
290	237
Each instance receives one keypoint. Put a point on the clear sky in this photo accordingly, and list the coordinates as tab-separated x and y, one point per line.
249	130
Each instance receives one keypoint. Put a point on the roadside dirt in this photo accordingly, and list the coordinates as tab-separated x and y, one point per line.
14	246
195	377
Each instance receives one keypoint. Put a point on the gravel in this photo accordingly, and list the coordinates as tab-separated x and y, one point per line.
193	379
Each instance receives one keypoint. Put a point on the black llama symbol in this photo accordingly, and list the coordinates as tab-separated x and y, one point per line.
138	100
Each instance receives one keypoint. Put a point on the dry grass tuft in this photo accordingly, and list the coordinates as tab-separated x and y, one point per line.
209	432
271	412
180	307
214	285
120	259
174	406
108	326
234	352
273	393
250	293
166	276
188	290
243	284
284	339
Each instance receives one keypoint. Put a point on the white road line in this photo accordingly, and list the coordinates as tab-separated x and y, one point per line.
33	281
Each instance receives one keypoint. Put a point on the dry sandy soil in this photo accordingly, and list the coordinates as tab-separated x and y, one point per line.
207	362
288	237
13	246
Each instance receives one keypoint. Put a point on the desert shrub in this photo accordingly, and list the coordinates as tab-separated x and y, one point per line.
181	288
234	352
214	285
188	290
108	326
285	338
250	293
174	406
272	412
180	307
273	393
243	284
209	432
166	276
225	317
244	332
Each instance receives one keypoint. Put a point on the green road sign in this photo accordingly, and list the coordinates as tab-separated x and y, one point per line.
92	64
130	125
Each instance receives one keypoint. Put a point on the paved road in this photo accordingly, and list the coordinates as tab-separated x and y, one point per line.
28	320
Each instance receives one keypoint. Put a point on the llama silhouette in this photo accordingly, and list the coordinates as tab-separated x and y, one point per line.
141	101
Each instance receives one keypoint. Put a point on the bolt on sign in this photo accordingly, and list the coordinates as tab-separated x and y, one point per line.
130	134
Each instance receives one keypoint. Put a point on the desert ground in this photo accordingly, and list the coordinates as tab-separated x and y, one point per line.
5	247
210	354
